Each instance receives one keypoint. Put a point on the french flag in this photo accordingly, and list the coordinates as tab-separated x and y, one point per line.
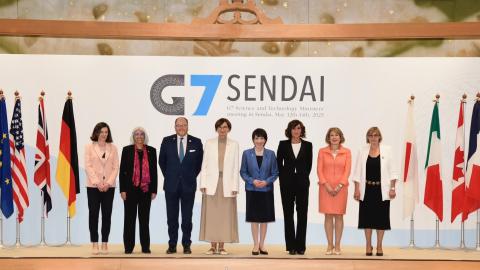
472	181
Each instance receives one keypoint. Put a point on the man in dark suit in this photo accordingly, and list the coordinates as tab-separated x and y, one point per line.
180	161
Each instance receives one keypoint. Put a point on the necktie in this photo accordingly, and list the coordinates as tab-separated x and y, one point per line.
181	154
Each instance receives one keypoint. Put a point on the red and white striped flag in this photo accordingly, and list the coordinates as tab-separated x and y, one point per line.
410	166
458	180
17	156
42	158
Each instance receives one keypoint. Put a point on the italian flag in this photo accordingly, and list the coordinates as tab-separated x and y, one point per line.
433	197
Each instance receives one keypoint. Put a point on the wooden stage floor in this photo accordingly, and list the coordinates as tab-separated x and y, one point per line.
80	257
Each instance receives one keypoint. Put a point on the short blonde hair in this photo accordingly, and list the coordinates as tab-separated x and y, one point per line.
372	130
132	138
337	131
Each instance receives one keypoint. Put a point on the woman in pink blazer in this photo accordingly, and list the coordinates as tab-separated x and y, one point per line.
333	169
101	164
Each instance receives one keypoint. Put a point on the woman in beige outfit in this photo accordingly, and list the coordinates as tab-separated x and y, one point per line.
219	185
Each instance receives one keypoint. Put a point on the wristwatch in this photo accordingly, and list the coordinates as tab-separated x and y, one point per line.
392	188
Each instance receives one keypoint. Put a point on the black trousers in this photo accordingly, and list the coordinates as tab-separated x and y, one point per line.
295	196
99	200
141	202
175	200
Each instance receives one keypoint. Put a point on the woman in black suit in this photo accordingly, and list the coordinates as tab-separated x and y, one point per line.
294	158
138	187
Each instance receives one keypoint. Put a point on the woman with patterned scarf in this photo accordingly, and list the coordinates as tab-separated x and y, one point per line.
138	187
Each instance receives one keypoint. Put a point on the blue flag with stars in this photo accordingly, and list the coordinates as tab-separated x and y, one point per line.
6	203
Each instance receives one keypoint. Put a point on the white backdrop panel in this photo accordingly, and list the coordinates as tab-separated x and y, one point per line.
358	94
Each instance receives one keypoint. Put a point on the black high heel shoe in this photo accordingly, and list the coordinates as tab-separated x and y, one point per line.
369	253
263	252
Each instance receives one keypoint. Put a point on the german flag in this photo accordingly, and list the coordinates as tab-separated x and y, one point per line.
67	164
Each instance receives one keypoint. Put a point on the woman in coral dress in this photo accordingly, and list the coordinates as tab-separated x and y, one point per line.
333	169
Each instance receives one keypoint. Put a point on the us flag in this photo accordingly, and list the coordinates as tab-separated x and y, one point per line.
42	158
17	150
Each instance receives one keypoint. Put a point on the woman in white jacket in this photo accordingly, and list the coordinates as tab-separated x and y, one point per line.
219	185
374	176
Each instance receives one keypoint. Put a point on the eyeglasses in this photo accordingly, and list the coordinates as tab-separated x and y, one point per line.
373	135
181	125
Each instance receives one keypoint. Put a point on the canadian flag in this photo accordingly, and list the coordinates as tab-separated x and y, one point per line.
458	179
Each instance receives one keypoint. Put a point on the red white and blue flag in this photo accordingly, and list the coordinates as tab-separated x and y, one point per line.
17	155
472	181
42	158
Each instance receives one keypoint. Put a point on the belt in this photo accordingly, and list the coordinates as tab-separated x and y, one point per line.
373	183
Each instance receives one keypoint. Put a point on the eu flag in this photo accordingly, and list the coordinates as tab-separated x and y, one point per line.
6	203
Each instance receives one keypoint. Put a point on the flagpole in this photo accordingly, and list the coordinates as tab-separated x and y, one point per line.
437	221
462	225
18	243
412	233
1	216
477	246
17	238
42	243
1	231
69	235
69	240
437	235
17	225
412	245
2	245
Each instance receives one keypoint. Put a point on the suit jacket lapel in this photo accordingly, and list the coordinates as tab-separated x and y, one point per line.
302	149
290	150
264	160
253	156
175	147
189	146
228	144
290	147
